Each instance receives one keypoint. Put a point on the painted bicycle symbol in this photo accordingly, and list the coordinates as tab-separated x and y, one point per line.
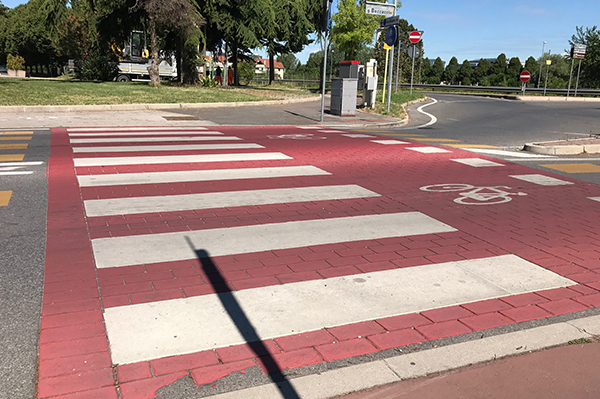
471	195
297	137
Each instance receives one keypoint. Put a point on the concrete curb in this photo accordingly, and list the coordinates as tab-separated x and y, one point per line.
556	98
566	149
138	107
419	364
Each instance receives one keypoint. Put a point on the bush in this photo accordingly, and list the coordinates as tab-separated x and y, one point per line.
246	71
97	65
208	82
15	62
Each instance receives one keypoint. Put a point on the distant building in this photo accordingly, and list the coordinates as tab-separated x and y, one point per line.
474	63
263	64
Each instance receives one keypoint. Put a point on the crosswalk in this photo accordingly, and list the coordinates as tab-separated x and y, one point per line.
151	283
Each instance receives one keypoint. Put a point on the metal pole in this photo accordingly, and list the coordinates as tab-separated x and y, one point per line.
541	61
385	75
397	66
523	88
577	84
225	74
420	67
331	69
389	97
324	75
570	76
412	75
547	71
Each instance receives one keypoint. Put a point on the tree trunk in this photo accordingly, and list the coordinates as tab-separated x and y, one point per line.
153	68
179	58
236	76
271	67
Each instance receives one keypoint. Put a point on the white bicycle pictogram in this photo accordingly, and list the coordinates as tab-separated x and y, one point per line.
471	195
297	137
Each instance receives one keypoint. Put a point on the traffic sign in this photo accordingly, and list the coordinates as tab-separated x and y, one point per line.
414	52
395	20
382	9
578	51
414	37
525	76
391	35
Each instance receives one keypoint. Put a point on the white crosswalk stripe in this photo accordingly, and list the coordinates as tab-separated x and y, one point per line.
152	139
182	147
162	328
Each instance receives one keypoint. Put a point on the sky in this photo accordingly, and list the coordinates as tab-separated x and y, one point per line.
474	29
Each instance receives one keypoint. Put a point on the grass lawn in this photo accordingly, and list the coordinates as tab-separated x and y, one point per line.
403	96
65	92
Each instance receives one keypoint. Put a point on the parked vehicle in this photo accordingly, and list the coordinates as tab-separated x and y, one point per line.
135	60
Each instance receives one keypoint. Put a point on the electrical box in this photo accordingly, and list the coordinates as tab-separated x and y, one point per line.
343	96
349	69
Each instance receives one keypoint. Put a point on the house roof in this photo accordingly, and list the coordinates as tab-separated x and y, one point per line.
266	63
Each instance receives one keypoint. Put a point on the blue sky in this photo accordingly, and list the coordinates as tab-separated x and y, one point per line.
473	29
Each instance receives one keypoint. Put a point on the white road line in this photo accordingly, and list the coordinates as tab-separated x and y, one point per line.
154	133
476	162
420	109
14	173
428	150
151	139
351	135
542	180
129	129
111	161
135	250
595	198
226	199
331	131
153	330
21	163
514	154
182	147
197	175
387	142
309	127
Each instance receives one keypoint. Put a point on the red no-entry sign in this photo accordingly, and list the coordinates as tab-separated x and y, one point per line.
414	37
525	76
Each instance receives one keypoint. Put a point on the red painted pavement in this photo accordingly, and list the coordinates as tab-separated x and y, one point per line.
554	227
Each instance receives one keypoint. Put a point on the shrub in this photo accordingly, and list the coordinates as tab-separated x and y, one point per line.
208	82
97	65
15	62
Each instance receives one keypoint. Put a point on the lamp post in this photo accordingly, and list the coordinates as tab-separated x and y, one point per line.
331	68
541	60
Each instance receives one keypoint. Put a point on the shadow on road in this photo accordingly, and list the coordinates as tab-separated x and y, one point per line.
244	326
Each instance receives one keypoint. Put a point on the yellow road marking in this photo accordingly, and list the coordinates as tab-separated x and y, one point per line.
13	146
12	157
9	133
5	197
15	138
471	146
438	140
574	167
372	131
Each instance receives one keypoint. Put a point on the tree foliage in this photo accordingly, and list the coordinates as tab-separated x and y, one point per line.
590	67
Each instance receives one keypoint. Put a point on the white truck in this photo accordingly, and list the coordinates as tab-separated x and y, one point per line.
134	61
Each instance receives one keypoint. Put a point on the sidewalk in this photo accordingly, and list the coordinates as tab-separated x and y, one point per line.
286	112
565	372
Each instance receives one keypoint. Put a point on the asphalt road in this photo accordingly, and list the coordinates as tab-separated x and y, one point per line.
509	123
22	243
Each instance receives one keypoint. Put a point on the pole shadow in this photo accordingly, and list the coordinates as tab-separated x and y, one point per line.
243	324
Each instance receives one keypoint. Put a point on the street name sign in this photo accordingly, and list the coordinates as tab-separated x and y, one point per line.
395	20
383	9
525	76
414	37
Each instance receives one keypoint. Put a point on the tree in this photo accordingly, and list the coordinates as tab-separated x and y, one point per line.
513	71
437	69
532	66
293	22
178	15
590	67
497	71
465	72
247	71
352	27
480	72
451	72
289	61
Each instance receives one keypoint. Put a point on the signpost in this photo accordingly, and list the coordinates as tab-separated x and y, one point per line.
382	9
326	22
414	37
577	52
548	63
524	77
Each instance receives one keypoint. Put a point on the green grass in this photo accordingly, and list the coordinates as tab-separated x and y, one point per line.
397	99
580	341
64	92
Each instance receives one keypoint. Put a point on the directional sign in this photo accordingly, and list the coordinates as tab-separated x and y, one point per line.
578	51
387	10
395	20
414	37
525	76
